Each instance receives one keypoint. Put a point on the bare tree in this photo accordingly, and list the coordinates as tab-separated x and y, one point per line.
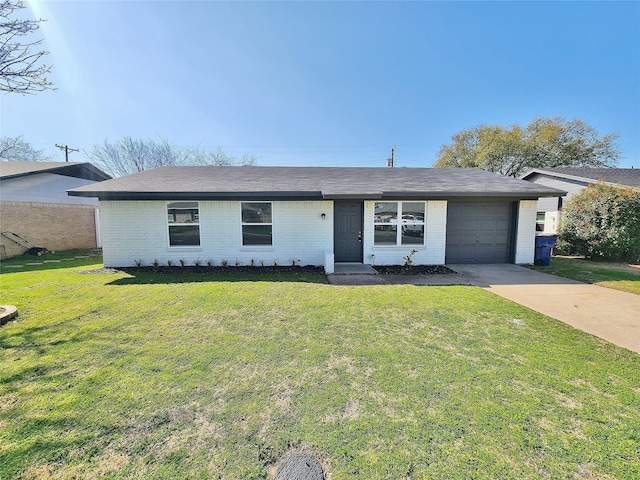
128	155
15	149
20	70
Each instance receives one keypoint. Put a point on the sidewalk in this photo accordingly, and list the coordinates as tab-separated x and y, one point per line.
609	314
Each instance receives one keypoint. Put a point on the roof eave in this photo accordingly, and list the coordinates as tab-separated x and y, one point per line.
107	195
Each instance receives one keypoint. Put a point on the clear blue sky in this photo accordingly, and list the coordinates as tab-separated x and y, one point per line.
328	83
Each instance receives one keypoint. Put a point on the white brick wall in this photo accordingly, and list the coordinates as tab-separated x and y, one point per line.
133	230
432	253
526	232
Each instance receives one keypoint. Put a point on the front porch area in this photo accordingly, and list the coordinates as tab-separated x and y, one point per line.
353	268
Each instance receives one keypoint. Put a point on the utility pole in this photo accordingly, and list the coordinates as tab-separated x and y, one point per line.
66	149
390	159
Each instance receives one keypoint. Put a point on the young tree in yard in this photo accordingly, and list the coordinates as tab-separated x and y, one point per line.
602	221
17	150
545	142
20	71
129	155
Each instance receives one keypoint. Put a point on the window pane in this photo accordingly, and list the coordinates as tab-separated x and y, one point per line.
184	235
386	212
385	234
256	235
412	234
178	215
256	212
182	205
413	211
182	212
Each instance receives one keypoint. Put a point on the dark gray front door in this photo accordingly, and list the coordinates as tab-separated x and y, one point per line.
347	231
479	232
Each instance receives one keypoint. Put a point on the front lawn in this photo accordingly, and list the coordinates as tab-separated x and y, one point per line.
619	276
110	375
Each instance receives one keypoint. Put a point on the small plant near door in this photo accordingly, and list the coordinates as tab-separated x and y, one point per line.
408	260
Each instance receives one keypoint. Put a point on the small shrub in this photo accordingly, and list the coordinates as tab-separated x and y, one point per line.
138	262
261	262
275	262
197	262
224	262
602	221
169	262
210	263
408	260
237	263
252	263
155	263
183	262
294	262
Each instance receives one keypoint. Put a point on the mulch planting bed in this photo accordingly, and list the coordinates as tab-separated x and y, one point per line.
267	269
413	270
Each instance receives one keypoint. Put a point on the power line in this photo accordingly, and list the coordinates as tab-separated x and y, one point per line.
66	149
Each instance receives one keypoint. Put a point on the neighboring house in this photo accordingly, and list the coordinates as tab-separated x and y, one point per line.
316	216
573	180
34	205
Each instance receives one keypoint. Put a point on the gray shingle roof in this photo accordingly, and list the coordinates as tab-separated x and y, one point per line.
214	182
84	170
623	176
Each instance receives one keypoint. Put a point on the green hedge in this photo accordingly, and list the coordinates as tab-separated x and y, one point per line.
602	221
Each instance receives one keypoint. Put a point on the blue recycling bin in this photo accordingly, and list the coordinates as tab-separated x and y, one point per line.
544	246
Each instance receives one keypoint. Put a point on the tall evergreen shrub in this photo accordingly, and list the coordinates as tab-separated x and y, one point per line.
602	221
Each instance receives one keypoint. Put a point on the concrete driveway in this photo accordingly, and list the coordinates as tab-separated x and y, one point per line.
606	313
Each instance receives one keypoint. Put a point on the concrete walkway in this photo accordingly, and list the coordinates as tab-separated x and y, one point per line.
609	314
358	274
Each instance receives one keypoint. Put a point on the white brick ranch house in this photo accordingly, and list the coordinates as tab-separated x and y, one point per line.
316	216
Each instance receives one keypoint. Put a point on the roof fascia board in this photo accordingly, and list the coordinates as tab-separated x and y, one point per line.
94	173
443	195
302	196
197	195
566	176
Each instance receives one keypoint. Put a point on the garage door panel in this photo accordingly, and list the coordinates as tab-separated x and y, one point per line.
479	232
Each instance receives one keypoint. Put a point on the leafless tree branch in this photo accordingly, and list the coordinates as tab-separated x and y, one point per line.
19	69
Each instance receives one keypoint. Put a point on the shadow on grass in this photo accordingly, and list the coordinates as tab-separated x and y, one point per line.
35	338
147	276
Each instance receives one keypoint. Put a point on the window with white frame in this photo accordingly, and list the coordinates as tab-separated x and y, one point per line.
257	225
408	216
540	219
183	220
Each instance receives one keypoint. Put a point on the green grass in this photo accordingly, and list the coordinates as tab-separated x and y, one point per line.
202	376
619	276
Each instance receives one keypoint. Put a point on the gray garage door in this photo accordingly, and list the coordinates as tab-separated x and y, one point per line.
479	232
